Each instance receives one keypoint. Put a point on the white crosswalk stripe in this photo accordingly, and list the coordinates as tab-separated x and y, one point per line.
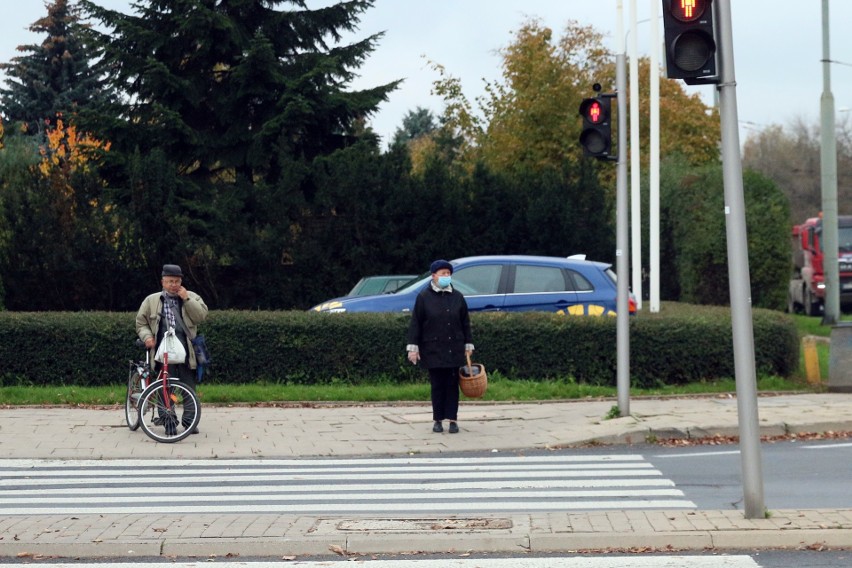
336	486
634	561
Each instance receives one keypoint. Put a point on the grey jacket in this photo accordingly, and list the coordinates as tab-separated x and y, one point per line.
193	312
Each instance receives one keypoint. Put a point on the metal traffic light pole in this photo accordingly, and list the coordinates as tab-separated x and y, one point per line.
596	140
700	50
738	273
622	310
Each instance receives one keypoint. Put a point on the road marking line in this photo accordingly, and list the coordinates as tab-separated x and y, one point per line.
171	479
352	508
698	454
72	472
423	486
153	496
130	463
584	561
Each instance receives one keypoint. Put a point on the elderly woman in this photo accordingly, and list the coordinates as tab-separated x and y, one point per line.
439	336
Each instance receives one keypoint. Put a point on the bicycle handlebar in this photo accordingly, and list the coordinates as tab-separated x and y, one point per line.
141	345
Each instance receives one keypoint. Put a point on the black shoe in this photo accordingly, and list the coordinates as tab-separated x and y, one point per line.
454	428
195	431
438	427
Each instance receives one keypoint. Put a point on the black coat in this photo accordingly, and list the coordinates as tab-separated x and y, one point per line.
440	327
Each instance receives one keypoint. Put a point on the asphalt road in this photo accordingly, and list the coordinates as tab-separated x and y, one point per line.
795	474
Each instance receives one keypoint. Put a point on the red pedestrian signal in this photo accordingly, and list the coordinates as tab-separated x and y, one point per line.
594	112
688	10
596	136
690	40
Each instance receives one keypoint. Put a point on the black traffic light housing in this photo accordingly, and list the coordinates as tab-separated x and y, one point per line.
596	136
690	41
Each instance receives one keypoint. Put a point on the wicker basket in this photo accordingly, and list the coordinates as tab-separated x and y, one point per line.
472	379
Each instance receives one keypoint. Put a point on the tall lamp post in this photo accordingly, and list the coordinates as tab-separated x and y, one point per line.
828	174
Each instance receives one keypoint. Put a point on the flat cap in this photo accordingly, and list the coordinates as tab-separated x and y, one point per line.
172	270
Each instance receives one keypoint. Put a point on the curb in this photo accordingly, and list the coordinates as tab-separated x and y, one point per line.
138	536
644	435
438	544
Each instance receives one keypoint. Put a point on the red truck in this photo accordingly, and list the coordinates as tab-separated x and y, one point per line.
807	286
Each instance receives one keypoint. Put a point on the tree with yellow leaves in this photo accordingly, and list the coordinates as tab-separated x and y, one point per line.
530	118
66	151
54	223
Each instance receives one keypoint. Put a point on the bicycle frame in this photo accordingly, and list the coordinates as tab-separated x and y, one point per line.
163	376
145	371
164	373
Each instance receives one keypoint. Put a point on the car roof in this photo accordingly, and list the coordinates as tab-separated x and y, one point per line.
526	258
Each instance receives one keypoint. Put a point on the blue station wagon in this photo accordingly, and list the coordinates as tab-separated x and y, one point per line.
571	286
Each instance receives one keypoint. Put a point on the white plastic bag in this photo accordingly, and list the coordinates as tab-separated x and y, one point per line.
171	345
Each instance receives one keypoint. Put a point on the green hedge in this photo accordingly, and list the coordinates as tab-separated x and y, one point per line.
93	348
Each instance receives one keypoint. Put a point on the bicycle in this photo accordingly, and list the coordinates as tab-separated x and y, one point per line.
167	409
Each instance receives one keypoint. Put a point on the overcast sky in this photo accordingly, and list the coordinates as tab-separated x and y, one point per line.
777	48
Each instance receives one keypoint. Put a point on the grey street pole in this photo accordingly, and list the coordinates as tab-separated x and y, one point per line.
828	172
635	165
738	273
654	165
621	254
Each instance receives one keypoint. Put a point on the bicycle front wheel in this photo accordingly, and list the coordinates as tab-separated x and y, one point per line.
131	403
169	415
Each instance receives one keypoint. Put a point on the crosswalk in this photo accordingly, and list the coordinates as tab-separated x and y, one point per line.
415	485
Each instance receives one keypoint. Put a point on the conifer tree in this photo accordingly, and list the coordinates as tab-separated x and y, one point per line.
223	107
224	87
54	78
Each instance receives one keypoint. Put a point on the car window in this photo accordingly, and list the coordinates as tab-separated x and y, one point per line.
536	279
581	283
394	284
372	286
477	280
415	284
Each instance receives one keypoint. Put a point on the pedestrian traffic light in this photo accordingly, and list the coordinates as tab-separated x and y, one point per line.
596	137
690	40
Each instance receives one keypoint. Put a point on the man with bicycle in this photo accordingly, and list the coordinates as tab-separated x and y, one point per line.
177	308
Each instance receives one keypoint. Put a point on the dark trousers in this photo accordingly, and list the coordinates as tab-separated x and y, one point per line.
445	393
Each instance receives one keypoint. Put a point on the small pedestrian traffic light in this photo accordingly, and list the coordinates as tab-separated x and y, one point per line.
596	136
690	40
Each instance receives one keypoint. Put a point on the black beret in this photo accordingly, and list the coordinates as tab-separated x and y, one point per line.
439	264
